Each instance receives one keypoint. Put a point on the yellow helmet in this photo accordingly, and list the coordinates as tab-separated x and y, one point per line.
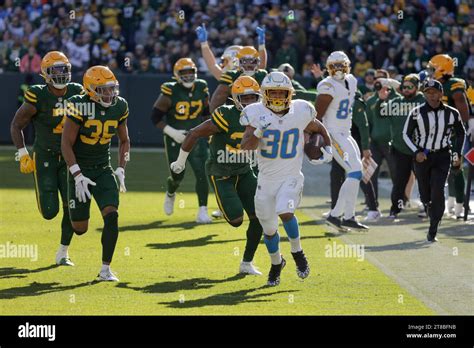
101	85
248	60
56	69
440	65
277	80
185	65
244	85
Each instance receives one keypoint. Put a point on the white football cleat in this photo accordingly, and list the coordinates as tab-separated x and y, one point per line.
169	203
248	268
326	214
107	275
203	216
62	258
373	216
217	214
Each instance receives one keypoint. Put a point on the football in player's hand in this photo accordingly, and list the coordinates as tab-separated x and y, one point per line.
312	147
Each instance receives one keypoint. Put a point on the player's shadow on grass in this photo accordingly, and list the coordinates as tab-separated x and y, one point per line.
36	289
159	225
227	299
13	272
180	285
192	243
457	230
418	244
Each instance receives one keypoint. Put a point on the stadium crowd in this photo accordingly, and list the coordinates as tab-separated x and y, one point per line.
148	36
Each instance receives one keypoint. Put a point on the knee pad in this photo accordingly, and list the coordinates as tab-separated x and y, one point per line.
237	222
355	175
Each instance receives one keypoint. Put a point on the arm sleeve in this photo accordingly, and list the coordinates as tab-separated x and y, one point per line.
217	118
410	126
360	119
124	115
460	133
30	97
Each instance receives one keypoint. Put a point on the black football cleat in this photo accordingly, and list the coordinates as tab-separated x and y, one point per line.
302	267
333	221
353	224
274	274
431	238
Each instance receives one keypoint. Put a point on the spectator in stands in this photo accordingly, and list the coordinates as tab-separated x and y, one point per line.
362	65
31	62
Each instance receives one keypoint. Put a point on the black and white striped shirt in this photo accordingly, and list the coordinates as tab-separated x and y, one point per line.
432	129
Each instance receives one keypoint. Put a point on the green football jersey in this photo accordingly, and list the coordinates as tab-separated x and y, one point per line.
50	114
98	125
230	76
226	159
187	104
452	86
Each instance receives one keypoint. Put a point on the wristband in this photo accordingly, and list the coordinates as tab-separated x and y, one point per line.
204	44
182	157
258	133
74	169
261	47
22	152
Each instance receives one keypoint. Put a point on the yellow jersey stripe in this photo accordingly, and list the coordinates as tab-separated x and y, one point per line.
27	97
124	116
32	95
72	108
228	80
219	203
164	91
75	116
219	123
221	117
457	85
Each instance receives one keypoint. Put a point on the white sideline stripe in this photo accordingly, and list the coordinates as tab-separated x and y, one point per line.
114	149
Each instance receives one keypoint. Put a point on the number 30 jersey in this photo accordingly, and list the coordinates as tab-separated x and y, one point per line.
187	104
338	115
280	150
98	125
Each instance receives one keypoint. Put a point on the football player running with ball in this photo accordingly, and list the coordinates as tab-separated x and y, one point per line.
92	120
44	106
233	179
336	95
276	127
184	102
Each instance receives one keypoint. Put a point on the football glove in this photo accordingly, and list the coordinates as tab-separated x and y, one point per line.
120	173
82	191
325	158
201	33
470	130
261	127
261	35
177	135
27	165
180	163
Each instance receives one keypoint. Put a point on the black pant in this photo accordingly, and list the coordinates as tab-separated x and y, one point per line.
403	169
338	175
379	152
431	175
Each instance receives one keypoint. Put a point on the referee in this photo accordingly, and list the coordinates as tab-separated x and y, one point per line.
428	132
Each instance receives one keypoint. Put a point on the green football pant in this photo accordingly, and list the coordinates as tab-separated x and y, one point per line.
105	193
234	194
197	159
50	177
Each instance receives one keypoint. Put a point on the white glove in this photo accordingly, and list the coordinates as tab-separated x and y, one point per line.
325	158
177	135
179	165
82	191
120	173
261	127
471	129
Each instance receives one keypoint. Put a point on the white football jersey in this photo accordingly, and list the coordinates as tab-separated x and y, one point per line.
280	150
338	115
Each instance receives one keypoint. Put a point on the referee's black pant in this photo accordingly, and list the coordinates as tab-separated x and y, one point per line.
403	169
431	175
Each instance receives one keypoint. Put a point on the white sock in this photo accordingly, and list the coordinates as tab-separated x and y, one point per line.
105	268
351	197
350	187
63	248
246	263
276	257
295	244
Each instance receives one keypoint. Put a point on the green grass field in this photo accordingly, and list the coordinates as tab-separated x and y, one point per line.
170	265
